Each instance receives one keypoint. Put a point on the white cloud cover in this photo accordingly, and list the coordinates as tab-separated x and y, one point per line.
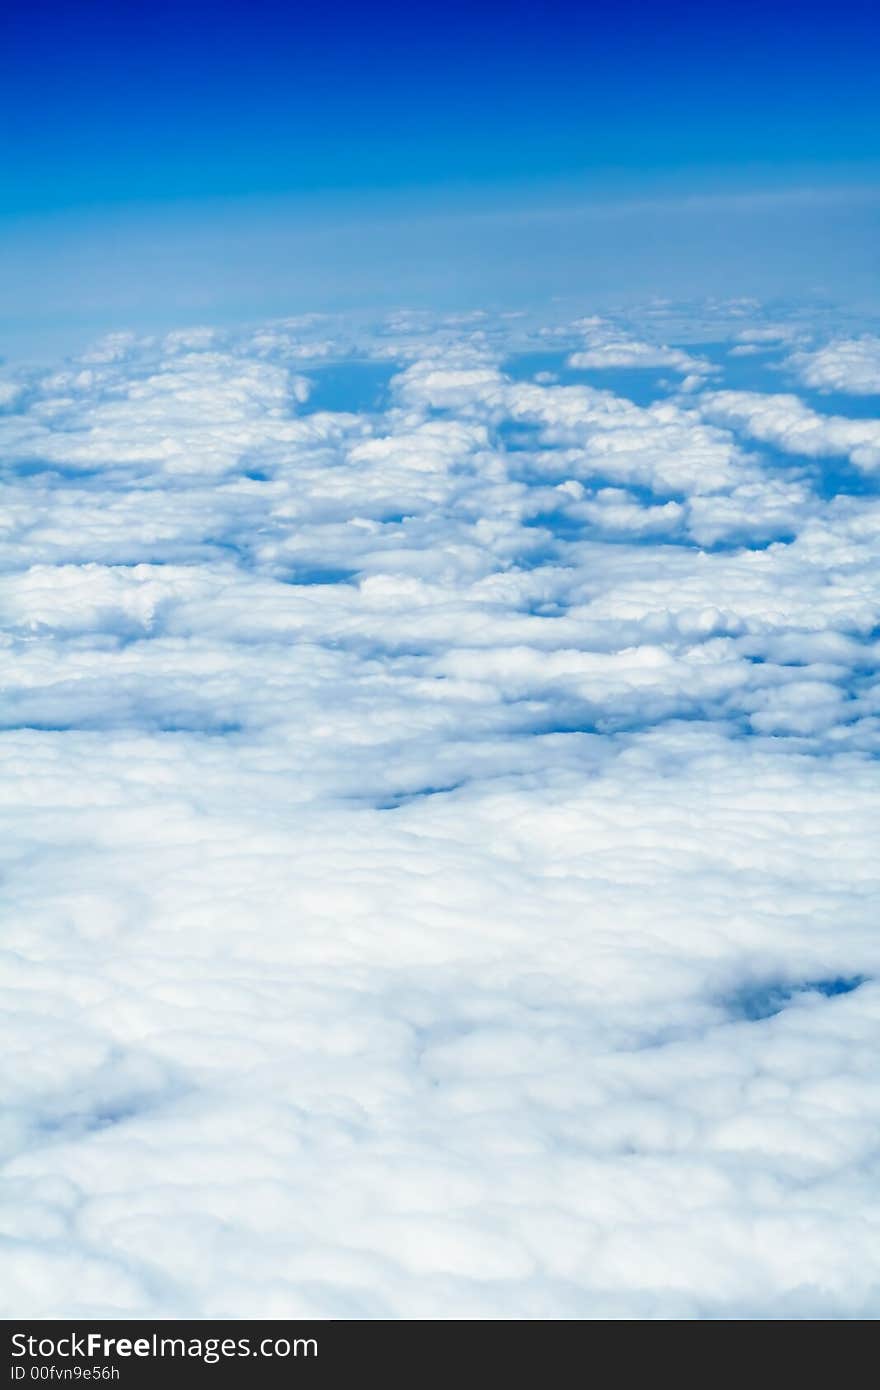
787	423
438	842
846	364
607	346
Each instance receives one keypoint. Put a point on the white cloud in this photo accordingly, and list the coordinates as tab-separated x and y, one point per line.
438	843
770	335
786	423
606	347
846	364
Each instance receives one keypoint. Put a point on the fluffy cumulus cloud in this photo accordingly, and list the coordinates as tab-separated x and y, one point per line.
785	422
439	832
846	364
606	346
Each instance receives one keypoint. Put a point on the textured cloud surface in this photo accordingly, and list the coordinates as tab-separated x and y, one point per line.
440	802
843	365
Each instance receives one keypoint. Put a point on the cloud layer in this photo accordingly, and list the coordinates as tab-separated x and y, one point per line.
845	364
439	855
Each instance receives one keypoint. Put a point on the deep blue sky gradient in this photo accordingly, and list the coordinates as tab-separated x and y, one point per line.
170	162
109	102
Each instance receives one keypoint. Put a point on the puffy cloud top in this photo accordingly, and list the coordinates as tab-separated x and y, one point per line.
438	840
847	364
606	346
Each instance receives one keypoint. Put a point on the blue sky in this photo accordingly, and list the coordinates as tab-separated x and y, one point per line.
171	161
134	102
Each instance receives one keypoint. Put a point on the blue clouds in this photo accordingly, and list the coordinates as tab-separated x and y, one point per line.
439	875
